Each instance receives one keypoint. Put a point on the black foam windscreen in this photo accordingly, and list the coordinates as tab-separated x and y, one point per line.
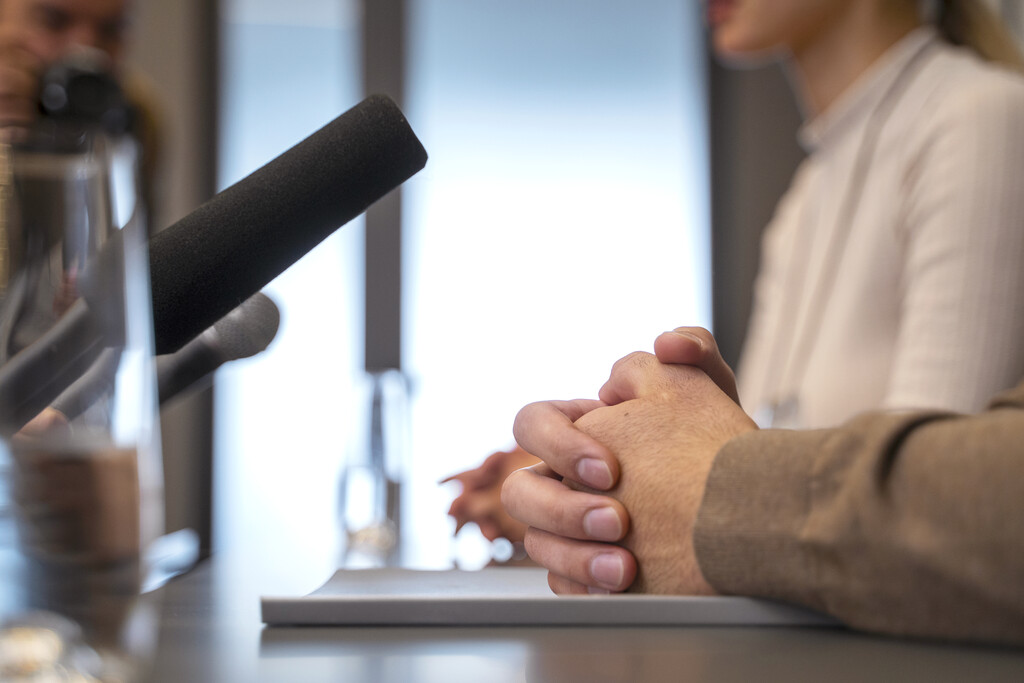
233	245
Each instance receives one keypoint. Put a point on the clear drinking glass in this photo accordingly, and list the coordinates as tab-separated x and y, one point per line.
370	490
80	467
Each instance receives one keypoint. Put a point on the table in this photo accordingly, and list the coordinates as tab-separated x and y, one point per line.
210	630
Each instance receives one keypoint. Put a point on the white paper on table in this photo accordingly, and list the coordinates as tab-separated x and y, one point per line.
508	596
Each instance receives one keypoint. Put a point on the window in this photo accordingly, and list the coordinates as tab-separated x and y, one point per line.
561	222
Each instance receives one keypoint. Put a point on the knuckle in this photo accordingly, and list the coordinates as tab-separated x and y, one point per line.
521	418
510	490
526	420
533	544
636	359
568	516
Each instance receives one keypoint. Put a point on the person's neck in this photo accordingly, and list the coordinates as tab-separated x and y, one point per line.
829	63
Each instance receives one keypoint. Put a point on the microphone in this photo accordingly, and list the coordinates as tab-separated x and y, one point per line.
242	333
272	218
233	245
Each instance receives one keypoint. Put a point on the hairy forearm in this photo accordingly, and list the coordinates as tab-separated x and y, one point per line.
893	523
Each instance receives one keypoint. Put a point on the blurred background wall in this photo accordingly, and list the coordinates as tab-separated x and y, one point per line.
561	222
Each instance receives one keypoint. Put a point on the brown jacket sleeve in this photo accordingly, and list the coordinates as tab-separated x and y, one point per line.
909	524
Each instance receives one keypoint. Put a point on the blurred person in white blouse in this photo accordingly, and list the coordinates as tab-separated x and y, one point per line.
892	273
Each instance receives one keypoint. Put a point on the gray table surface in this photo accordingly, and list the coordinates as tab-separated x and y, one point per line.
210	630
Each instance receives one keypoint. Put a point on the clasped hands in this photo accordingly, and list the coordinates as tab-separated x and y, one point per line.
613	504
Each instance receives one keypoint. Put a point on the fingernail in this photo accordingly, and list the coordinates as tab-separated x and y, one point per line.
691	337
602	524
594	473
607	569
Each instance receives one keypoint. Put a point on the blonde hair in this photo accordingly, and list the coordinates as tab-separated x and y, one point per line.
973	24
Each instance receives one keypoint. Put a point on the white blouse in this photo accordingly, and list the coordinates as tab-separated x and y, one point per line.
892	274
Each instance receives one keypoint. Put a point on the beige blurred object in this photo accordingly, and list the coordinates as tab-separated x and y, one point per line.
78	523
77	506
5	235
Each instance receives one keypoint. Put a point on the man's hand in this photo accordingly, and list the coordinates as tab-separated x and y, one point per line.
48	422
697	347
20	71
547	428
664	424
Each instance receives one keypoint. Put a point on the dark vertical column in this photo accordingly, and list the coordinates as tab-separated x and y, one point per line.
208	82
384	72
753	155
1012	13
176	44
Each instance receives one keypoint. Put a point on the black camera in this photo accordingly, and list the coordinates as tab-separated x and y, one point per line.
81	91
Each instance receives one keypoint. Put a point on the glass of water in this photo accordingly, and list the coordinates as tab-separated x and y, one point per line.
80	468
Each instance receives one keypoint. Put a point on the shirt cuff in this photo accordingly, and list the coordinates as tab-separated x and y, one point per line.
757	501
